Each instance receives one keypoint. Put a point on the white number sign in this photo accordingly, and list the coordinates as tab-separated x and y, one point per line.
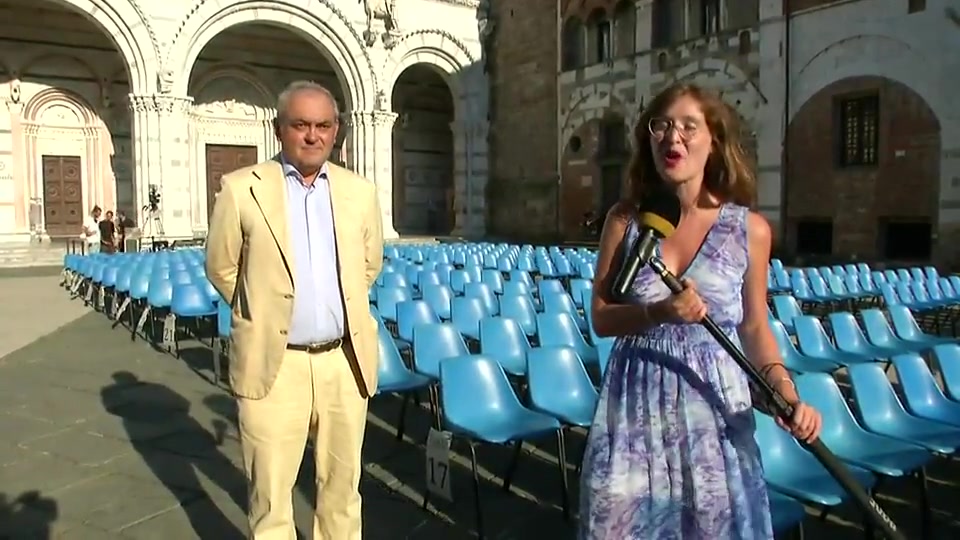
438	463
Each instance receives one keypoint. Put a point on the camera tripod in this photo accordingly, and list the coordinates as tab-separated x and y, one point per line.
152	227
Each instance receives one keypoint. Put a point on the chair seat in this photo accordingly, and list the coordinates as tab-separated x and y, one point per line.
819	488
897	463
198	312
403	383
522	424
578	413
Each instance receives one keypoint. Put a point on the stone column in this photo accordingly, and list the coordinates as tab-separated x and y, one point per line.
162	159
370	154
461	165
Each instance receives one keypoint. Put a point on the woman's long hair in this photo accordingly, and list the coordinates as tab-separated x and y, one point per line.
728	175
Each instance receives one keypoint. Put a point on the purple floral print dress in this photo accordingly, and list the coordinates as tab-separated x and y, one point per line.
671	453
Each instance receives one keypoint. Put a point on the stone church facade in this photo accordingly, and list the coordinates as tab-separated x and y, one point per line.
106	100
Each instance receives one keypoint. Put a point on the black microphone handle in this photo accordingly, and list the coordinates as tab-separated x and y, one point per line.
784	410
632	263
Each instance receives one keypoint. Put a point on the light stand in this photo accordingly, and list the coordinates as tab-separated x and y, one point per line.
784	411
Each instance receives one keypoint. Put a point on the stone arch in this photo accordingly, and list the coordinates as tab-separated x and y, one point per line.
57	122
129	28
31	63
319	22
734	85
590	103
888	57
435	48
264	94
903	184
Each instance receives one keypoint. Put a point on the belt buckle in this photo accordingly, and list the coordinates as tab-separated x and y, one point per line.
315	348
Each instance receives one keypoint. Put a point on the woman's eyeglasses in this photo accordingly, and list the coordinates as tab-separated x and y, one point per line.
659	127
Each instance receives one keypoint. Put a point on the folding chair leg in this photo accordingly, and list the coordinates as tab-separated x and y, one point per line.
926	522
564	478
512	467
402	421
477	504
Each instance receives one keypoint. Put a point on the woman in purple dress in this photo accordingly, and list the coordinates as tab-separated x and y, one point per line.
671	453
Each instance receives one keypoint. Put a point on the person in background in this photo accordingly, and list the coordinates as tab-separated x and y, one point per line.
91	231
108	234
123	223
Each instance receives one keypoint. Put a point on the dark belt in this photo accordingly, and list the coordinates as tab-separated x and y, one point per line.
317	348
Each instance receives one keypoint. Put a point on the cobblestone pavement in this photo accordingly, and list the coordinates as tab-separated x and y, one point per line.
103	437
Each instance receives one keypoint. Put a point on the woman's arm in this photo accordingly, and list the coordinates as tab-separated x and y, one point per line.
609	318
759	344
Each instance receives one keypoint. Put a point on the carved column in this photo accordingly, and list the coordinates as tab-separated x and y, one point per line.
370	154
162	158
461	196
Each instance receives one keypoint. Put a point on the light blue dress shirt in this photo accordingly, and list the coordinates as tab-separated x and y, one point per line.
317	306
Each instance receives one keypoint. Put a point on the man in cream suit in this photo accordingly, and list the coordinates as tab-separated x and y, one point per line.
294	245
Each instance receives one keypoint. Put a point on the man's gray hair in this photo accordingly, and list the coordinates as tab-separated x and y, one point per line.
296	87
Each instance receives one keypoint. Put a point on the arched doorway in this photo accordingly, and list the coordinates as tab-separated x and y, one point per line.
234	83
863	173
69	147
594	162
423	181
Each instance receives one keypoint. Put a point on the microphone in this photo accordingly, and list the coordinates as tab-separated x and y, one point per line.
658	217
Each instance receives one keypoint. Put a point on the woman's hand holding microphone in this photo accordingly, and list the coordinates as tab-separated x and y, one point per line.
684	308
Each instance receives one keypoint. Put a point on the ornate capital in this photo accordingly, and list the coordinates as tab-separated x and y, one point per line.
378	119
162	104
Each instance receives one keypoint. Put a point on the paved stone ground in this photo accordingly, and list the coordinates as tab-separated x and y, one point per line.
102	437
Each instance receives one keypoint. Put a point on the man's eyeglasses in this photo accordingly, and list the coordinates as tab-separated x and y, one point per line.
659	127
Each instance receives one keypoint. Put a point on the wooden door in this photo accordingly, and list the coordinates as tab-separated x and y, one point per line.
62	195
223	159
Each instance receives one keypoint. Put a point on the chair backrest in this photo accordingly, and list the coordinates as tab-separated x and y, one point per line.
160	293
786	308
874	397
439	297
394	280
224	318
903	322
139	285
433	343
458	280
558	378
557	302
520	309
820	391
547	286
918	387
390	368
847	332
581	290
493	279
474	388
780	454
792	358
388	298
948	358
190	297
503	340
812	337
411	313
483	292
877	327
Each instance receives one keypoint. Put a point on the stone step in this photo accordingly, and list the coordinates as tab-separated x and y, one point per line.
20	256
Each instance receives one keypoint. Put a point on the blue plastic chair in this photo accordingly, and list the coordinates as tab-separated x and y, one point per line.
439	297
604	347
504	341
850	442
948	359
393	376
520	309
881	334
484	293
814	342
581	291
560	385
411	313
793	359
907	328
479	404
921	395
793	471
560	302
191	302
466	314
850	338
881	412
433	343
560	330
159	297
387	300
786	308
